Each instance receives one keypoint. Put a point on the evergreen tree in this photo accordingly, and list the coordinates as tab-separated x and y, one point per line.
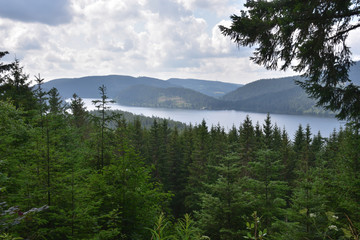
268	186
289	162
80	117
137	136
41	97
56	105
4	67
314	34
16	88
266	182
154	149
233	138
268	132
101	121
223	202
177	174
198	168
344	178
218	146
247	144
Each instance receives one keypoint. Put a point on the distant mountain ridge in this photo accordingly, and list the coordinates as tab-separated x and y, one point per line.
87	87
278	95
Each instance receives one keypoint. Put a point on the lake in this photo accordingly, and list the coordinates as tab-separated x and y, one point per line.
229	118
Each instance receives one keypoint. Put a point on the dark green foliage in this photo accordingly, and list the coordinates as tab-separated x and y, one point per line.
56	105
223	202
309	37
45	161
101	123
172	97
16	88
79	113
66	177
198	167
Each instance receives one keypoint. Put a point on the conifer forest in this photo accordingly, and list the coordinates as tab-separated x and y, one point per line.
67	173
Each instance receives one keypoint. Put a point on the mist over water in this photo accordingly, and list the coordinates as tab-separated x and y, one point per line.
229	118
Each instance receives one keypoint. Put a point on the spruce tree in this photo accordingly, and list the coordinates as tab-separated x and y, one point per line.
16	88
223	202
101	122
198	167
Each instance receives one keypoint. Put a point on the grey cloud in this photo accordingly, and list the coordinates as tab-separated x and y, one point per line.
51	12
168	8
202	3
29	43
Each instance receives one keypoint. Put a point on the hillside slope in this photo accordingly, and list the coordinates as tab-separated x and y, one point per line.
174	97
211	88
87	87
279	95
261	87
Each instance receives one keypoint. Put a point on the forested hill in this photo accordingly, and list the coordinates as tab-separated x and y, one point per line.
279	95
174	97
87	87
210	88
261	87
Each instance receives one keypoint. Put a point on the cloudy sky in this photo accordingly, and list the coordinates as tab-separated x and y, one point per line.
155	38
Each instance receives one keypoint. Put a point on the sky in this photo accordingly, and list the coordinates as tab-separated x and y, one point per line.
155	38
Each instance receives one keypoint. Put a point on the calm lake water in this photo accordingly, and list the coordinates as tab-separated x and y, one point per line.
229	118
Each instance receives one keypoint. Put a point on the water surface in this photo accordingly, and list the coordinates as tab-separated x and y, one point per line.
230	118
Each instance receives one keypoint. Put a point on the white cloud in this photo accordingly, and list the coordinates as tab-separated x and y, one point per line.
156	38
214	8
353	42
